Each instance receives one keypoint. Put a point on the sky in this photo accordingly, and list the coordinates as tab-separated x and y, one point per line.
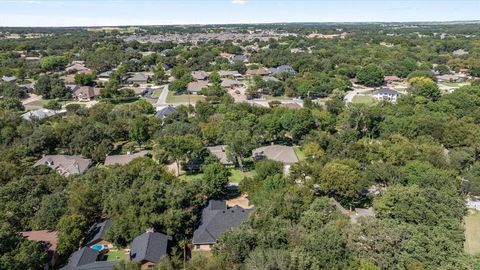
161	12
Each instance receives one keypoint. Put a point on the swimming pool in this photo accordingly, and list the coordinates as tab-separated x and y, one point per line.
97	247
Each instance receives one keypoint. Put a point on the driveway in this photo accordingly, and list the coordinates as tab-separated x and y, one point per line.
162	99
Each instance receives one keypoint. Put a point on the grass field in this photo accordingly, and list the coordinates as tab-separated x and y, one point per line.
236	177
472	233
113	255
299	153
359	99
40	102
172	98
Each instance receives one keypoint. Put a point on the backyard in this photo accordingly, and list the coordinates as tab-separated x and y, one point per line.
361	99
172	98
236	176
472	233
113	255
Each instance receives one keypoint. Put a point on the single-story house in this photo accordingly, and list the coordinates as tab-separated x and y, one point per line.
270	79
240	58
65	165
148	248
87	259
229	83
138	78
95	238
104	76
123	159
283	69
195	87
200	75
165	111
386	94
282	153
78	67
49	240
41	113
9	79
86	93
452	78
219	152
232	74
391	79
216	219
257	72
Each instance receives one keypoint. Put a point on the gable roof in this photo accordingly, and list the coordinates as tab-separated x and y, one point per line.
65	165
197	86
220	153
165	111
217	219
49	238
123	159
282	153
199	75
385	91
227	73
81	257
259	71
138	77
86	92
231	83
96	233
150	246
283	69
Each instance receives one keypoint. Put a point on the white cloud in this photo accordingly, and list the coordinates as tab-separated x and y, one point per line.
239	2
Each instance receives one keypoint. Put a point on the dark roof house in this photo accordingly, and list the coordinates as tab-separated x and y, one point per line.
240	58
149	247
217	219
86	259
138	77
97	232
165	111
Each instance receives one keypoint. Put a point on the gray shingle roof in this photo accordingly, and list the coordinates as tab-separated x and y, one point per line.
385	91
283	69
217	219
86	259
166	111
97	232
150	246
123	159
284	154
219	152
65	165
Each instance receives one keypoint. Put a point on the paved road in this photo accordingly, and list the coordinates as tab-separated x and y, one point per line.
31	98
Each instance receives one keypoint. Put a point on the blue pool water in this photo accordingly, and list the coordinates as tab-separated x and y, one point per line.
97	247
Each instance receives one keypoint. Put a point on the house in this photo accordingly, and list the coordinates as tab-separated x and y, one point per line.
386	94
72	87
9	79
240	58
164	112
270	79
451	78
104	76
290	105
257	72
231	74
219	152
65	165
460	52
148	248
138	78
281	153
231	84
77	67
86	93
49	240
391	79
41	113
361	212
195	87
123	159
283	69
216	219
95	238
200	75
87	259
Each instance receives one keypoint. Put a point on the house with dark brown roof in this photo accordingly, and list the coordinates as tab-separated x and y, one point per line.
48	240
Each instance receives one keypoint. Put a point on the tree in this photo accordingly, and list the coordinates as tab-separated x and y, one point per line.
235	245
53	63
71	230
215	176
424	87
371	75
182	147
85	79
139	131
341	178
52	208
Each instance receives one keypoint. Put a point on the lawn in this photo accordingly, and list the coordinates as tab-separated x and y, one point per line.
360	99
299	152
113	255
40	102
268	97
472	233
157	92
236	177
172	98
